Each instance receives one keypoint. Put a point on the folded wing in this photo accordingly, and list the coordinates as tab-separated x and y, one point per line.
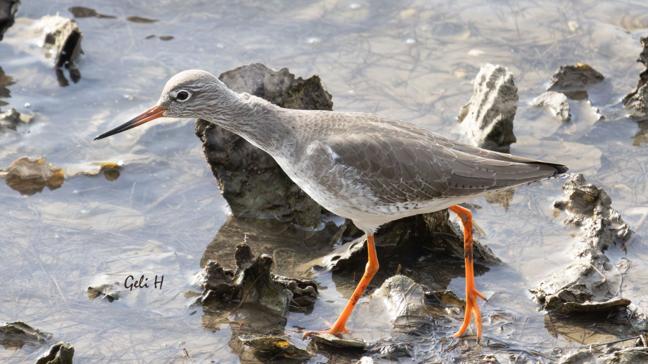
408	165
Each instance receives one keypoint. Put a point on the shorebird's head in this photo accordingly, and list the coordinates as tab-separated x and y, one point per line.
188	94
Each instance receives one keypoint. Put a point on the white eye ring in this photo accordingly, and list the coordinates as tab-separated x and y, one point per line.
182	95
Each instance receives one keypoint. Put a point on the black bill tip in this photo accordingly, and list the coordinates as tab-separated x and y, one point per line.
148	115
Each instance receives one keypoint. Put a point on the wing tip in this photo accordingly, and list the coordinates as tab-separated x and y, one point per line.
560	169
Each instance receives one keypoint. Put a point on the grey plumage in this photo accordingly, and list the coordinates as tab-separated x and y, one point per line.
357	165
364	165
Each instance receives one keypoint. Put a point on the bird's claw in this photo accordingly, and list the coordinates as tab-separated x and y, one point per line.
480	295
337	332
472	309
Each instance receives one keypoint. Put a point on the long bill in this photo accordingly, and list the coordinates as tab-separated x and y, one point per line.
153	113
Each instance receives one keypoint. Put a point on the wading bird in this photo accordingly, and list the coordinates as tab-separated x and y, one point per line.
357	165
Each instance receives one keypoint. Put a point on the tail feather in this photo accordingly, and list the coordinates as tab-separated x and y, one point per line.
558	168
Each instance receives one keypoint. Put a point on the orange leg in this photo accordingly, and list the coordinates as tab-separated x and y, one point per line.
371	269
471	292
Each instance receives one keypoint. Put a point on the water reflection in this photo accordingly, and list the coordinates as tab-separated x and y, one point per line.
290	246
73	72
588	329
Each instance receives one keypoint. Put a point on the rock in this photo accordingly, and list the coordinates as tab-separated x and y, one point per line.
292	247
636	102
254	300
29	176
110	170
250	180
84	12
60	353
589	283
611	355
404	241
270	349
8	9
61	40
140	19
405	303
590	209
628	356
5	82
106	292
573	80
487	119
586	285
12	118
54	39
18	334
304	293
556	103
279	87
583	356
161	37
335	342
252	282
421	319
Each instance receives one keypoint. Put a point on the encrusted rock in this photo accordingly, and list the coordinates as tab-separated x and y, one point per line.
18	334
637	101
269	349
583	356
420	319
11	118
5	82
589	283
556	103
54	39
8	9
487	119
60	353
109	169
252	282
405	302
106	292
29	176
590	209
61	39
573	80
628	356
336	342
279	87
608	356
250	180
404	241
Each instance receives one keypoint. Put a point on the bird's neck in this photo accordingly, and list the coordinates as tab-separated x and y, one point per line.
257	121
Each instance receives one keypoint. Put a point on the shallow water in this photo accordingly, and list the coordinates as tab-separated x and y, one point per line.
413	61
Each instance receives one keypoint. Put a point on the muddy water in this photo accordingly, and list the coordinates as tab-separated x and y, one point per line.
413	61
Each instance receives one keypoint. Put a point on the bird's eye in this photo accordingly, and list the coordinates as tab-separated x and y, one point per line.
183	95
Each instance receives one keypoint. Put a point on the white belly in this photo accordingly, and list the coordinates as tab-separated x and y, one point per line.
359	204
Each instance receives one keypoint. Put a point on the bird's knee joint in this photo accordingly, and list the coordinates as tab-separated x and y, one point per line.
466	219
372	268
